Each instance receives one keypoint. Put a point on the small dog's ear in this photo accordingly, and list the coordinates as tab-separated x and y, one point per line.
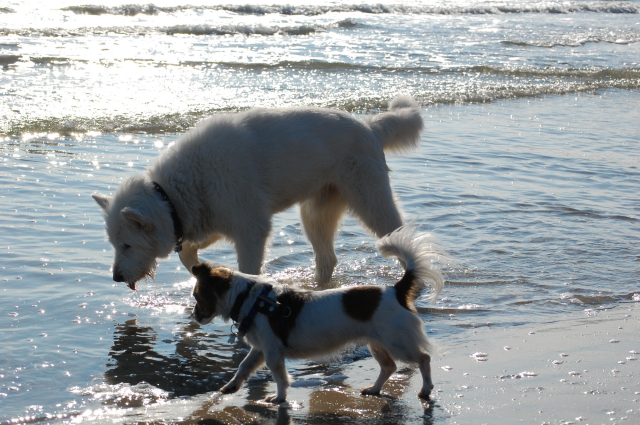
200	270
102	200
137	217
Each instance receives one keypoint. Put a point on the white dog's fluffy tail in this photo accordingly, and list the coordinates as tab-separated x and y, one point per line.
399	129
419	255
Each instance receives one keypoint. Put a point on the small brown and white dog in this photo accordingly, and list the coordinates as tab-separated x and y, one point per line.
280	322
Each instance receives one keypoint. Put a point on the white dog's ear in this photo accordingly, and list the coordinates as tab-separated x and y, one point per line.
137	217
102	200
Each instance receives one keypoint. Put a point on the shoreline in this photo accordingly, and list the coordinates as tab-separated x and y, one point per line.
580	369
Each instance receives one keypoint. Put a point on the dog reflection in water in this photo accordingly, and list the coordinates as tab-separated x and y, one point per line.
280	322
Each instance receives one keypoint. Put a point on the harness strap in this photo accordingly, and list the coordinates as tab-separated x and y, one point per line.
262	304
284	315
237	305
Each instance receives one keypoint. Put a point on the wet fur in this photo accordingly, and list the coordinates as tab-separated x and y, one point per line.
323	322
232	172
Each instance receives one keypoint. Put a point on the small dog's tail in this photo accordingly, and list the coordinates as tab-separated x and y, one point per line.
419	256
399	129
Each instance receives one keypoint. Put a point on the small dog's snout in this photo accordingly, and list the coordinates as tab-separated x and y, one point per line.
117	276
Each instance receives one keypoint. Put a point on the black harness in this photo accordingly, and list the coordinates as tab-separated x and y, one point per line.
177	225
263	304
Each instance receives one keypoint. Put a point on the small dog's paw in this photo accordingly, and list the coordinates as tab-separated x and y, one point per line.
370	391
275	399
229	388
424	393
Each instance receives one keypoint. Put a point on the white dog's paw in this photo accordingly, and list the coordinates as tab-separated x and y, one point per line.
275	399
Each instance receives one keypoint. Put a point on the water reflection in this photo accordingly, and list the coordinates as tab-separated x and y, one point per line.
337	405
141	362
135	358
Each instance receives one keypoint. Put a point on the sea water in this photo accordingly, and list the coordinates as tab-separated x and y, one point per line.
527	172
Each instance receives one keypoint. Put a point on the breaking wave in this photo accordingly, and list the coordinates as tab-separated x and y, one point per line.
312	10
521	83
188	29
577	40
630	75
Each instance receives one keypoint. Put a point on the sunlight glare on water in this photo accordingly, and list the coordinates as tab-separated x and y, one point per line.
519	193
526	173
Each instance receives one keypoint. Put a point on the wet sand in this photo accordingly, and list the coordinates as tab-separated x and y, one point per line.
581	369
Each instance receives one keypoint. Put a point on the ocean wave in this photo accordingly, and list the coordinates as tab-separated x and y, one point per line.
312	10
569	40
125	10
288	64
196	29
9	59
178	122
591	74
308	65
632	74
242	29
577	40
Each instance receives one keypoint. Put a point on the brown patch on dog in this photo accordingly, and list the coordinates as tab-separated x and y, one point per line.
213	282
291	303
361	302
407	291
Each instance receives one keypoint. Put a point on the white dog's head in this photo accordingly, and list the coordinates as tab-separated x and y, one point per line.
140	228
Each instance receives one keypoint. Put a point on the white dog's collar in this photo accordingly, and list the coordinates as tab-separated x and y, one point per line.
177	225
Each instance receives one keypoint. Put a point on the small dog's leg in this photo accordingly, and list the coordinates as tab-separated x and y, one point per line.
275	363
387	368
253	361
425	370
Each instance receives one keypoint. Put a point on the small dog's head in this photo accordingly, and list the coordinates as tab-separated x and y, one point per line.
211	286
140	228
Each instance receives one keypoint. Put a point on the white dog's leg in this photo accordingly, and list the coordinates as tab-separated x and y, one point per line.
250	250
425	370
189	255
275	363
387	368
320	216
250	237
253	361
371	198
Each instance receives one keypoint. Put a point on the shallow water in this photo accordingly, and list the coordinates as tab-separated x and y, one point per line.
533	194
535	200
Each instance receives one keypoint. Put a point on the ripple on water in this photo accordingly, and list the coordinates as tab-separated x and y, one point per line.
123	395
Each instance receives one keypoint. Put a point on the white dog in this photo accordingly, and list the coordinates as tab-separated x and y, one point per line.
226	178
282	322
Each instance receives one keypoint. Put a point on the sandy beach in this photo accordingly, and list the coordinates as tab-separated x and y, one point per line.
581	369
